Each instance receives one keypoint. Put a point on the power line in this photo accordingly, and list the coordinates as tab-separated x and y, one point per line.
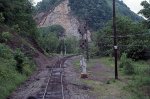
121	36
127	45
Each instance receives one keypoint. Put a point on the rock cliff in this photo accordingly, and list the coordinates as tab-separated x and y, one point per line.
61	15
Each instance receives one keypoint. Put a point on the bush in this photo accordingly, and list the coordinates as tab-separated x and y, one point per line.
46	5
5	36
58	30
20	59
23	65
1	18
126	64
49	42
122	60
93	50
5	52
49	36
16	28
128	67
71	45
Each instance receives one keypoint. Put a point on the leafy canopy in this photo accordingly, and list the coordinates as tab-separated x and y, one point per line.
18	13
133	38
146	12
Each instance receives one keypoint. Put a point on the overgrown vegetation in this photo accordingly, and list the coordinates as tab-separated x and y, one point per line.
52	39
146	12
126	64
137	75
16	23
97	12
46	5
12	72
133	39
5	36
18	13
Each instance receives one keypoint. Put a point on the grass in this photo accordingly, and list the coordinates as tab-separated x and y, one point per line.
108	61
9	84
76	64
129	87
10	79
112	90
102	90
138	80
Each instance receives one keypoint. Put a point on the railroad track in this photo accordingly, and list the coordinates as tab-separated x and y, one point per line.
55	86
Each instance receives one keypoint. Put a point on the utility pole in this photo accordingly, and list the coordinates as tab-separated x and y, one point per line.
115	39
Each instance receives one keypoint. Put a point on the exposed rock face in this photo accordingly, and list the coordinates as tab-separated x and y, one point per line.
60	15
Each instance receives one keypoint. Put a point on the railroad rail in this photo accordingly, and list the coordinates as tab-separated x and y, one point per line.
55	86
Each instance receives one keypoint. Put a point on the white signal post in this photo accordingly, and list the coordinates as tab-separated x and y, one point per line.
83	61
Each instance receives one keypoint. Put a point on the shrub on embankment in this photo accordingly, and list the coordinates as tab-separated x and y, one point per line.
138	82
139	72
10	74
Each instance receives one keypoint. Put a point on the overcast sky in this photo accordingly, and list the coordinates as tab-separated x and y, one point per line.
134	5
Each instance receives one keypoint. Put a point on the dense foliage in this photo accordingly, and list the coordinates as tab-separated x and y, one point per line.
52	39
49	42
98	12
126	64
46	5
12	73
57	29
146	12
146	9
71	45
95	12
16	23
133	38
139	73
18	14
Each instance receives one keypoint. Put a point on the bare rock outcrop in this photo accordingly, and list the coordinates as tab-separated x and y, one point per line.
61	15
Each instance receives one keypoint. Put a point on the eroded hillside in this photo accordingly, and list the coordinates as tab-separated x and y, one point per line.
61	15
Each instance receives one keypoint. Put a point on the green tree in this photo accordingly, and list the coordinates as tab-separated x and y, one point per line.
57	29
146	12
18	12
98	12
49	42
95	12
46	5
133	38
71	45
